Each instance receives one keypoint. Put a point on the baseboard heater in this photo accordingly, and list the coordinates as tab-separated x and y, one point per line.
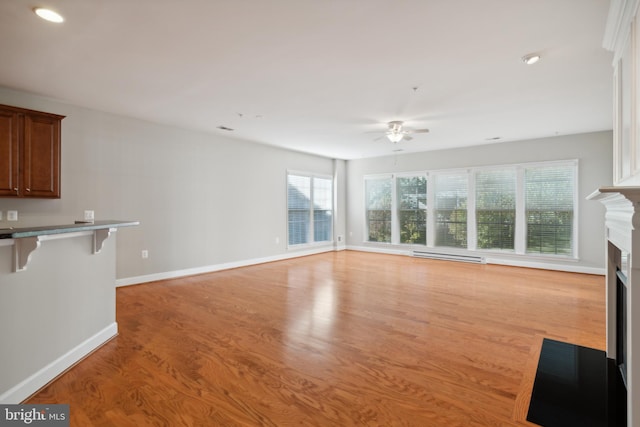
449	257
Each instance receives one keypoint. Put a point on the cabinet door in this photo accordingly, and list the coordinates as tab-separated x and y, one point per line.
9	146
41	156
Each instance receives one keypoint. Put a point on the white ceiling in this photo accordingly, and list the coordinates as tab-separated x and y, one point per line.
318	75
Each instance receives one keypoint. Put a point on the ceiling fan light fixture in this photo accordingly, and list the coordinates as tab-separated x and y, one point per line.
531	59
395	136
48	15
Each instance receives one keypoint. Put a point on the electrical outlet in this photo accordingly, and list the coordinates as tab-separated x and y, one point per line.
145	254
88	215
12	215
277	240
339	238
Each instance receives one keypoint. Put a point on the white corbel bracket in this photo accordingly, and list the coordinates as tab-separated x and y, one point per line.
99	237
22	250
24	247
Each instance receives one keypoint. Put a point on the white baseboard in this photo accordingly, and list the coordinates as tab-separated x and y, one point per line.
570	268
218	267
379	250
528	263
39	379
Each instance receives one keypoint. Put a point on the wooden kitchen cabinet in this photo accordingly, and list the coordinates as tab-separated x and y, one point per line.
29	153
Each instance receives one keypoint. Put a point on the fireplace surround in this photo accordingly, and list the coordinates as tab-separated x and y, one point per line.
622	229
621	323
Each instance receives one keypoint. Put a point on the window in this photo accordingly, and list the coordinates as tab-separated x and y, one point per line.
496	208
525	209
451	210
310	209
298	202
549	205
412	209
322	209
378	206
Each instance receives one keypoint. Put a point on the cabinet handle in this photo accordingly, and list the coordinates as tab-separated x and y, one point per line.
15	189
28	189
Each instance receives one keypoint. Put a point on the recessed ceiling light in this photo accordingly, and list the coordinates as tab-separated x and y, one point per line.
48	14
531	58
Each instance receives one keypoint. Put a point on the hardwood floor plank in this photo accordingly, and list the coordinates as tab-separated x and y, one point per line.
336	339
521	407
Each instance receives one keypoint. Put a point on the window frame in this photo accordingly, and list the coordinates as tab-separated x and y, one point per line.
310	241
393	219
575	200
468	245
517	196
397	208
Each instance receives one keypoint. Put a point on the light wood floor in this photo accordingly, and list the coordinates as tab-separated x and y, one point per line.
337	339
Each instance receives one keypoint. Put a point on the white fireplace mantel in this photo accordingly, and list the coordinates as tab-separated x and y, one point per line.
622	225
620	219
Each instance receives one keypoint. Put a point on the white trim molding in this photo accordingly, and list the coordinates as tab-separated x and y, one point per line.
620	219
136	280
621	15
380	250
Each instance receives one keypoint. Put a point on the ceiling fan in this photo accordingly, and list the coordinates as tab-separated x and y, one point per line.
396	131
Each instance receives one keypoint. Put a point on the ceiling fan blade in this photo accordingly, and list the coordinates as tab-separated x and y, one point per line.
418	131
407	137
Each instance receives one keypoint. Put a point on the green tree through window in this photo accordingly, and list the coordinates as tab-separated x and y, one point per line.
378	203
412	209
496	209
549	199
451	210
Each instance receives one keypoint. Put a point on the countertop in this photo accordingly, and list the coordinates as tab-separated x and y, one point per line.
16	233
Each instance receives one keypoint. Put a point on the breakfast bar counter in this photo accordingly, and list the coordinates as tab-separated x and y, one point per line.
57	300
27	239
47	230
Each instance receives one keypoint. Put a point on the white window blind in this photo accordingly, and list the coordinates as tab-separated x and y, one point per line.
549	205
411	193
322	209
298	205
451	210
378	203
310	209
496	208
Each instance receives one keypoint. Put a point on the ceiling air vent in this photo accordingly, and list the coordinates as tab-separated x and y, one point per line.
225	128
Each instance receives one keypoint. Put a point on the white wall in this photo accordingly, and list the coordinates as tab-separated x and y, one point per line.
594	152
202	199
340	204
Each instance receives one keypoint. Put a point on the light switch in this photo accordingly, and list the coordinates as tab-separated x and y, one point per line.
12	215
